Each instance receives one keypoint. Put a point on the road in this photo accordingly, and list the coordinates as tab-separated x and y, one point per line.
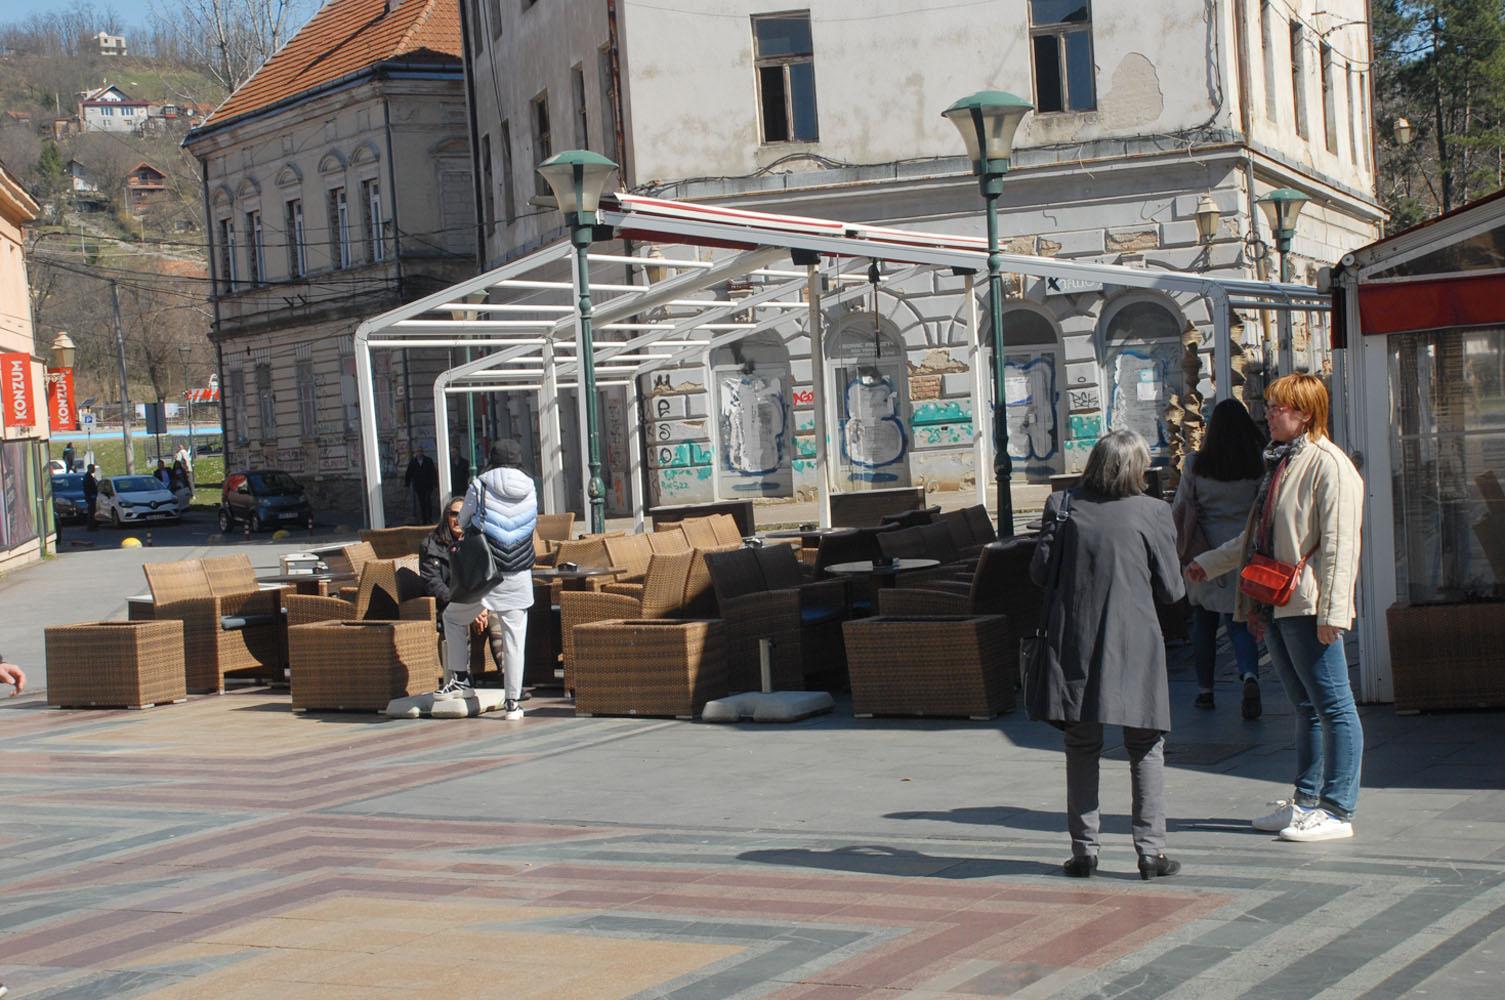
91	577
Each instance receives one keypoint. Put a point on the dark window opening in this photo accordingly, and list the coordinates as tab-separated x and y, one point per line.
785	58
1065	76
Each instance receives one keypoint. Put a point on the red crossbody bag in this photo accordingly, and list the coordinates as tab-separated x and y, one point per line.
1266	580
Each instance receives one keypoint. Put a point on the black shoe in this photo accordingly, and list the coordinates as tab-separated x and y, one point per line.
1252	707
1158	866
1081	867
1204	700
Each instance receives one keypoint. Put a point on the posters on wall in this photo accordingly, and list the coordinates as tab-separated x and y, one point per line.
18	481
754	432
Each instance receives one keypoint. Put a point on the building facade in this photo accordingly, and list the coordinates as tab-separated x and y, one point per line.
26	513
812	111
110	109
337	184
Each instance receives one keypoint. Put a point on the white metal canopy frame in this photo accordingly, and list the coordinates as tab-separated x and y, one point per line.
683	311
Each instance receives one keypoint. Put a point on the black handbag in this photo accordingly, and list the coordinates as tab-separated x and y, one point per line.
1032	646
472	567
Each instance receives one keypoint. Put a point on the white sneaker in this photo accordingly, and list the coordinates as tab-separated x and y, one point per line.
511	710
1318	824
452	689
1286	812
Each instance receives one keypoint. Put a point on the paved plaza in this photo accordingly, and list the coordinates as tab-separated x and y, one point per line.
228	848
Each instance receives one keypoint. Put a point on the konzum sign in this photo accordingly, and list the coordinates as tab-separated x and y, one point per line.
15	382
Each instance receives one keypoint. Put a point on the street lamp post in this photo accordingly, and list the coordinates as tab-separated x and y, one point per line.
577	178
987	121
183	352
1282	206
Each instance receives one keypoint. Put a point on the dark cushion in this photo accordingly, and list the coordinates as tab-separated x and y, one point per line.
234	623
819	616
735	573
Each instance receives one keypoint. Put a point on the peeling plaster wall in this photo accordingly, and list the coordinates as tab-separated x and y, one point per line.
691	79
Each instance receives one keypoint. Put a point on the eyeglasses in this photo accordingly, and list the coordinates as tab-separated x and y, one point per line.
452	513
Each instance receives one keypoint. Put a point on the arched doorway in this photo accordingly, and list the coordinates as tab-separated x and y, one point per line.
869	380
1142	363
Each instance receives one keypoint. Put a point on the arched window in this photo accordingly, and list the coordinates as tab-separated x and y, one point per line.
1031	379
1142	339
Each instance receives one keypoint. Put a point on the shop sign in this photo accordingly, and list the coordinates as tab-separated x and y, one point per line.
20	408
60	410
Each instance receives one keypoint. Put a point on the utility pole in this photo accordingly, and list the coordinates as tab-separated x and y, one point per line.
125	392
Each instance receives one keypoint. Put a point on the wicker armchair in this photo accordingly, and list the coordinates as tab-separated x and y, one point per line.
724	527
662	594
224	632
361	665
785	613
702	532
395	543
389	590
670	538
550	528
349	561
630	554
1000	586
931	666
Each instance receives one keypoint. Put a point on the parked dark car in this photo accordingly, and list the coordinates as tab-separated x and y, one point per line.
68	502
263	498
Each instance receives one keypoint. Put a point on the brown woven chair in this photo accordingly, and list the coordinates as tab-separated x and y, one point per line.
701	532
981	524
349	561
224	634
724	528
360	665
931	666
667	539
753	612
1000	586
662	595
394	543
230	574
630	554
389	590
547	529
649	667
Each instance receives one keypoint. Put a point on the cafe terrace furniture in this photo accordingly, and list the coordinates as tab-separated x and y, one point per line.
115	664
550	528
394	543
348	560
630	553
360	665
389	590
1443	656
230	626
930	666
866	508
971	528
927	541
761	595
912	518
741	512
1001	585
661	594
653	667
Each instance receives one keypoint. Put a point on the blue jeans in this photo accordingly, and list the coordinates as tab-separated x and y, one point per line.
1329	737
1204	645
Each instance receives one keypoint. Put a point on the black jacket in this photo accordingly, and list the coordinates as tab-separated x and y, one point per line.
91	487
433	566
422	474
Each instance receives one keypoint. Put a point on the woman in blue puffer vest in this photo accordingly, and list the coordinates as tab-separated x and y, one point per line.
501	501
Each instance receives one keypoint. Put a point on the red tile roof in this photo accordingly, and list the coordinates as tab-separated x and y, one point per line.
344	37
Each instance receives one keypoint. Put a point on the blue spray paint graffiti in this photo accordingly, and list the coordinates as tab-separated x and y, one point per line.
1031	394
872	435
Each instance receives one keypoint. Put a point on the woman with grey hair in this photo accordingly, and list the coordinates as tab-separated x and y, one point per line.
1107	555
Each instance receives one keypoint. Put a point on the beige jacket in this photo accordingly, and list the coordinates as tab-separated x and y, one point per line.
1318	506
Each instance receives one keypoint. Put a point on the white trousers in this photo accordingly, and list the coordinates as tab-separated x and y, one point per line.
507	633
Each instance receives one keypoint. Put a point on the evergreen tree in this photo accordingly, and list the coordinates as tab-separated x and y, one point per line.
1441	66
52	178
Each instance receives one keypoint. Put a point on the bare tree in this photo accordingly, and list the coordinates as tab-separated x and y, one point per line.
230	39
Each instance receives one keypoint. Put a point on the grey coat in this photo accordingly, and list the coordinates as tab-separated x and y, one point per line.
1224	509
1104	659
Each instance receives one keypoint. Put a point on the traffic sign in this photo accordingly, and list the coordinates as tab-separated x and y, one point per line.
87	419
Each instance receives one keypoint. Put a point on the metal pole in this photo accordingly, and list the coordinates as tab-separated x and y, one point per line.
818	387
125	392
1285	349
580	236
470	432
1003	466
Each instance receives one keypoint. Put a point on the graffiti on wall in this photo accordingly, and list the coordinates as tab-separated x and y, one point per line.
872	435
1139	390
1030	394
754	431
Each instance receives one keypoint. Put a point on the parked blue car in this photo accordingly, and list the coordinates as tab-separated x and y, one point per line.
68	502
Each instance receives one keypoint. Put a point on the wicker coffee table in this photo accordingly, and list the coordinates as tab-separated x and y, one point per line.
115	664
650	666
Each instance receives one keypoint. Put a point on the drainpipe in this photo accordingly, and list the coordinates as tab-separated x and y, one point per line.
475	133
407	385
219	347
616	90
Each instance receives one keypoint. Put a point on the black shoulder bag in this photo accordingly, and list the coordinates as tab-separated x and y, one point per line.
1032	646
472	567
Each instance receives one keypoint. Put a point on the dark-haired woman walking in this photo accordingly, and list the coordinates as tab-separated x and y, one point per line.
1211	506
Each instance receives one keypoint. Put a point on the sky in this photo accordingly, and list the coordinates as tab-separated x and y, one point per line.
130	11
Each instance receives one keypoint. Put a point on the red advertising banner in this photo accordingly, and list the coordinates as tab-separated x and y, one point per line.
20	406
60	411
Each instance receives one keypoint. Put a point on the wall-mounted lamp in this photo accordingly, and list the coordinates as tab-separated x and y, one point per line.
1208	218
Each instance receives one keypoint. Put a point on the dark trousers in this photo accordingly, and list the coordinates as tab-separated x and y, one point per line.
93	505
423	506
1146	747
